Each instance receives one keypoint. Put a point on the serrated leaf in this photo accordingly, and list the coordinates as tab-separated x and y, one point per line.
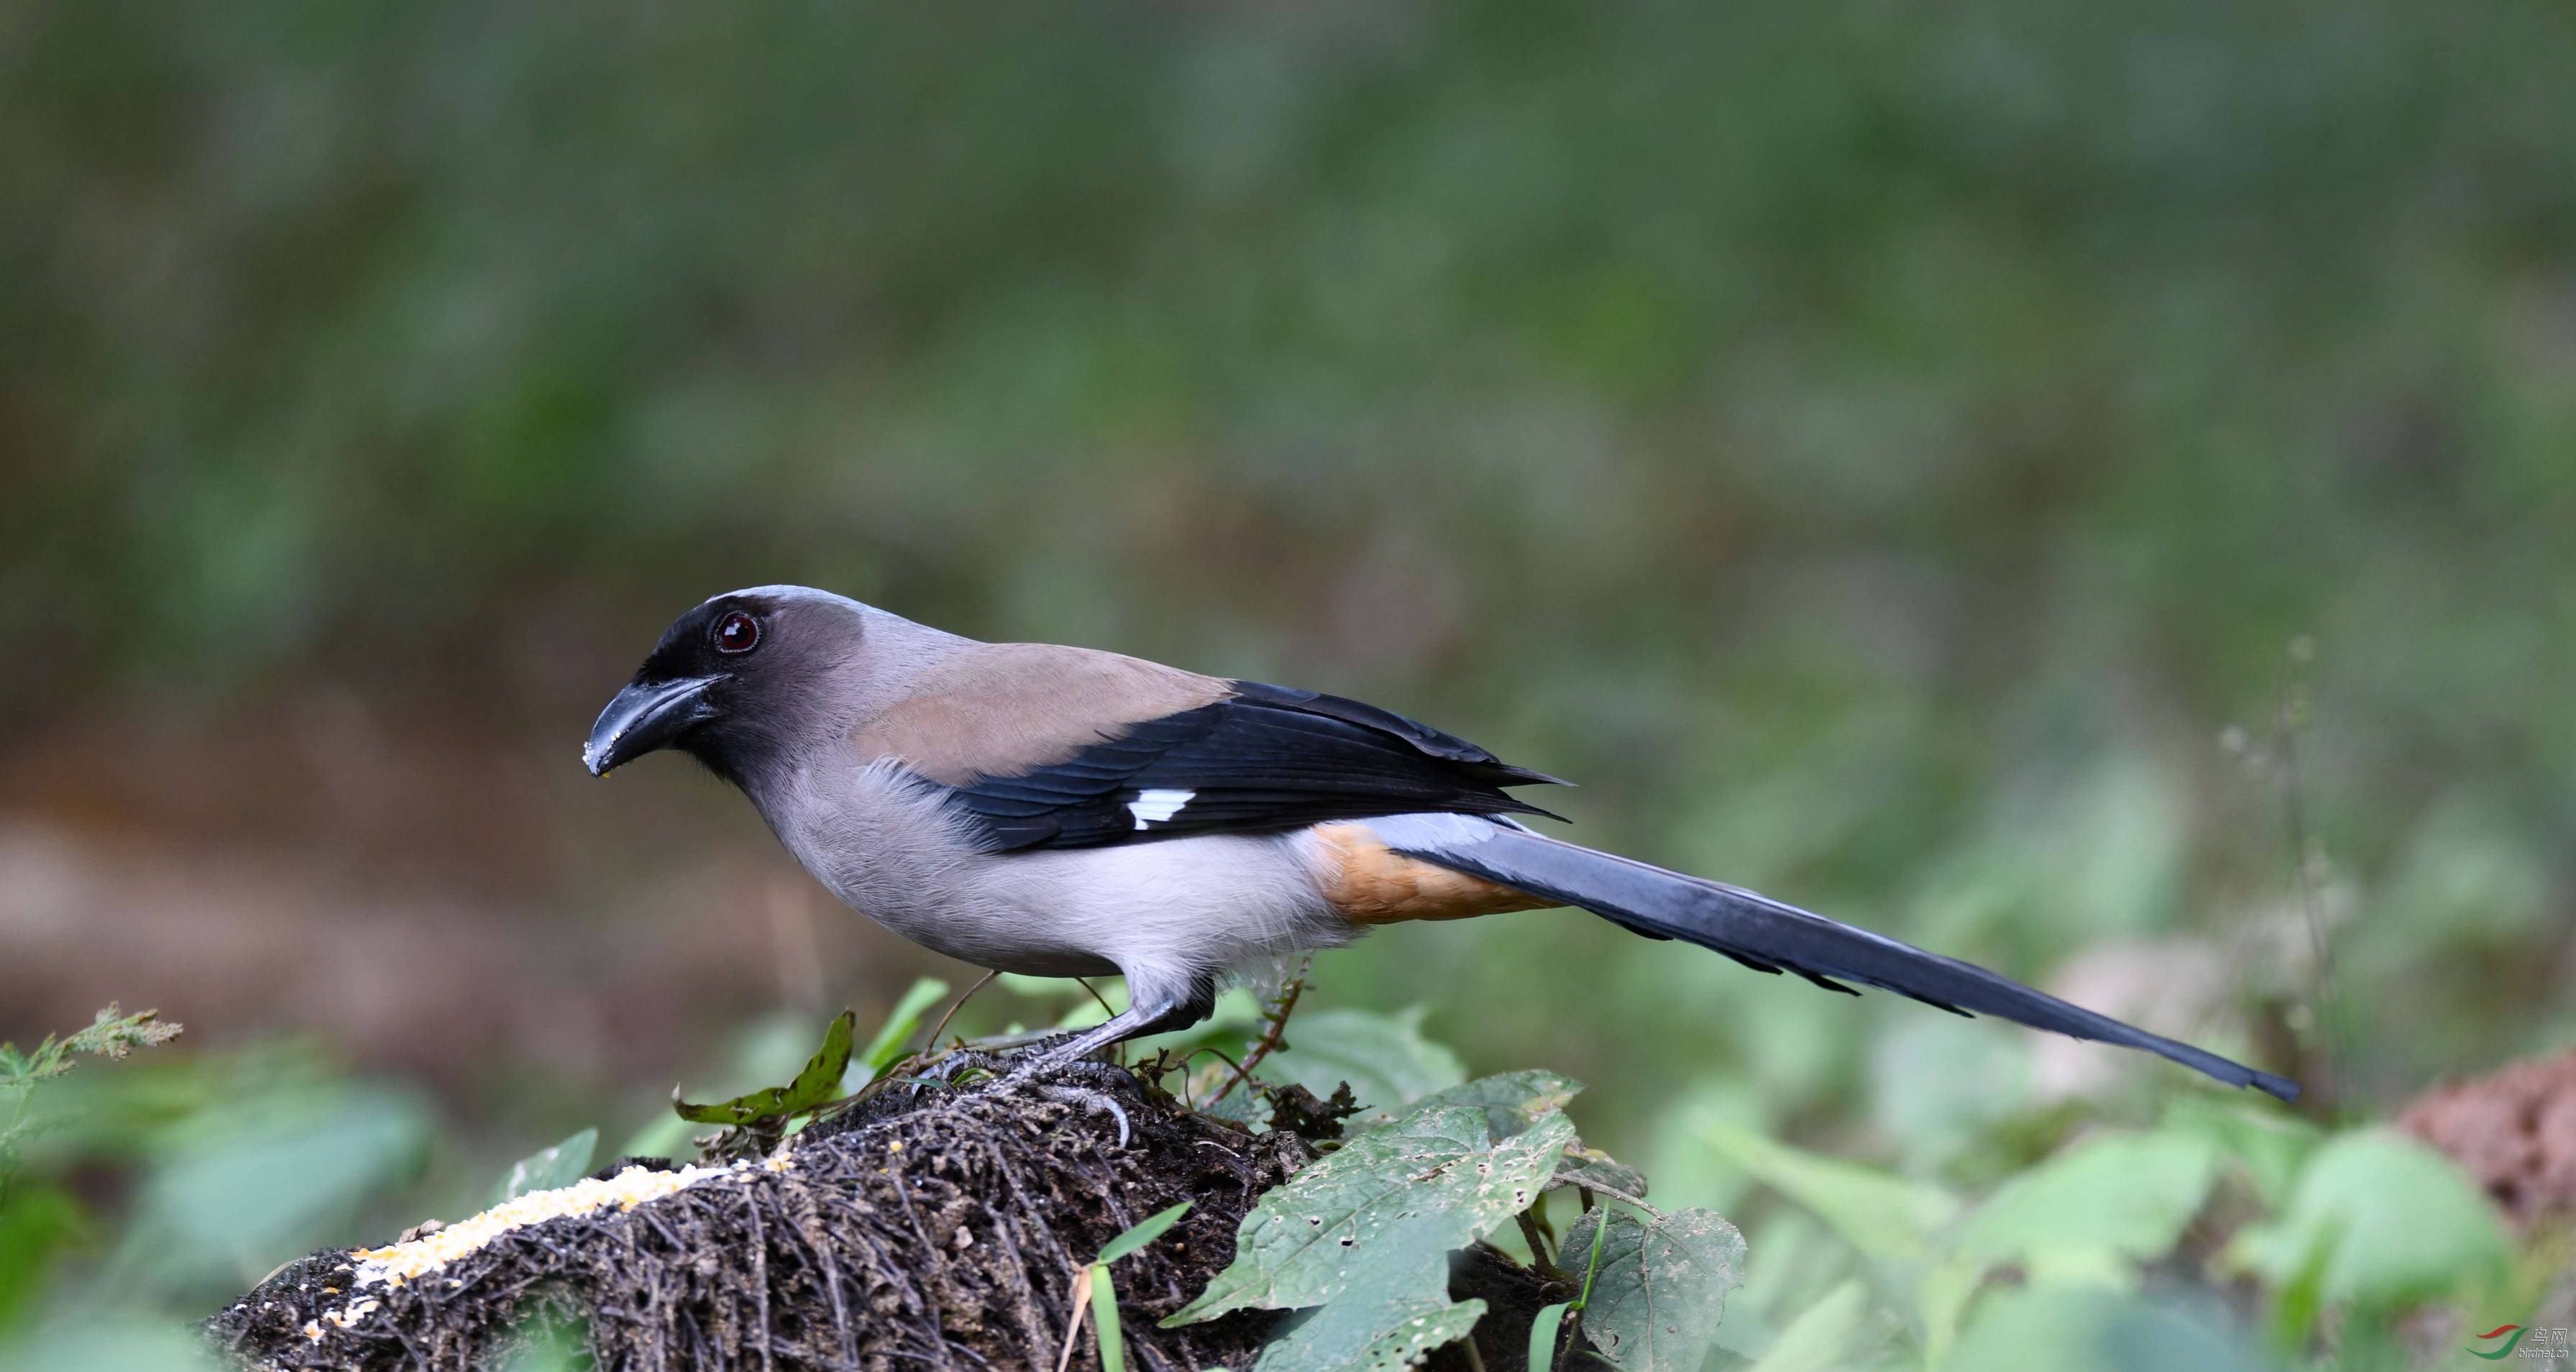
1359	1335
547	1168
820	1081
2114	1197
1383	1212
1143	1232
1512	1101
1385	1058
1661	1287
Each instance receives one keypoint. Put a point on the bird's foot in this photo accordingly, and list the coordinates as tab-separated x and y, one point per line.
947	1070
1029	1063
1090	1101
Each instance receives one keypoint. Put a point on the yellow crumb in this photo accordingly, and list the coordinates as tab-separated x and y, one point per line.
356	1312
399	1263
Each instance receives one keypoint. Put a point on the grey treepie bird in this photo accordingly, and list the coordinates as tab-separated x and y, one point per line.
1064	812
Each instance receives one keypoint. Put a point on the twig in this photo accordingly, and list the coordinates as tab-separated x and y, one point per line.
1616	1194
931	1044
1081	1307
2328	987
1277	1016
759	1272
1095	995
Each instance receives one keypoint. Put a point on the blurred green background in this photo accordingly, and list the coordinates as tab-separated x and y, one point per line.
2091	489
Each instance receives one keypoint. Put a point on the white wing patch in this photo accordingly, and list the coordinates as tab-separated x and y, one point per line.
1158	807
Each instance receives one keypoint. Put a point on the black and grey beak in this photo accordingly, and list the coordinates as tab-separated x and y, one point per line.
645	716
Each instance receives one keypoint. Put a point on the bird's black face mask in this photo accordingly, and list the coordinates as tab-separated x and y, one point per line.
681	689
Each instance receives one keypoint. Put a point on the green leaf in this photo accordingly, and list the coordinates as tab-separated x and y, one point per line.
897	1030
37	1223
1383	1212
1383	1333
1104	1319
1543	1330
548	1344
2266	1142
1592	1168
1941	1300
2116	1196
547	1168
1143	1232
2054	1329
2392	1221
1823	1338
1385	1058
1661	1287
1512	1101
820	1081
265	1176
125	1340
1882	1215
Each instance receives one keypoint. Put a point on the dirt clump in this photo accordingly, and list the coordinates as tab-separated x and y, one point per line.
934	1229
2514	1130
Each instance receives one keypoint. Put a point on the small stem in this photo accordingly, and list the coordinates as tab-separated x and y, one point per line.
1277	1017
1184	1066
1095	995
2326	986
931	1044
1538	1245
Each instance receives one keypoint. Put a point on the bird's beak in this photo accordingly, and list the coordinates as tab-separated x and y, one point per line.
645	716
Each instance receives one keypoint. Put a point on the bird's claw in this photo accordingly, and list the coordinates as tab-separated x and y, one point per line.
1095	1102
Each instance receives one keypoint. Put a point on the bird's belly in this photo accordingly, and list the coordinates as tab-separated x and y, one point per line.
888	848
1005	940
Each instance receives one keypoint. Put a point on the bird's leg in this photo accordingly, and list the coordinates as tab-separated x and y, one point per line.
1151	1011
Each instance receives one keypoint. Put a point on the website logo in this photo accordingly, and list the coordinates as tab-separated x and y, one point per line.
2551	1344
2510	1333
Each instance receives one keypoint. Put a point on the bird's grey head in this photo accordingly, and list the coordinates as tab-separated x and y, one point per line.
740	683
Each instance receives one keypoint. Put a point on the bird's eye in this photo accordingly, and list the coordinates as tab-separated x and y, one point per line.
736	633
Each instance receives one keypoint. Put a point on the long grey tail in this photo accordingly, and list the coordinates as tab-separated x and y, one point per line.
1766	935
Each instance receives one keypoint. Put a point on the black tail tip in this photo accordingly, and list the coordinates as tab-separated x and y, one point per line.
2281	1088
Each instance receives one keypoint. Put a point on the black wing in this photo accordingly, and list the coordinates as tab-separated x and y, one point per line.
1266	758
